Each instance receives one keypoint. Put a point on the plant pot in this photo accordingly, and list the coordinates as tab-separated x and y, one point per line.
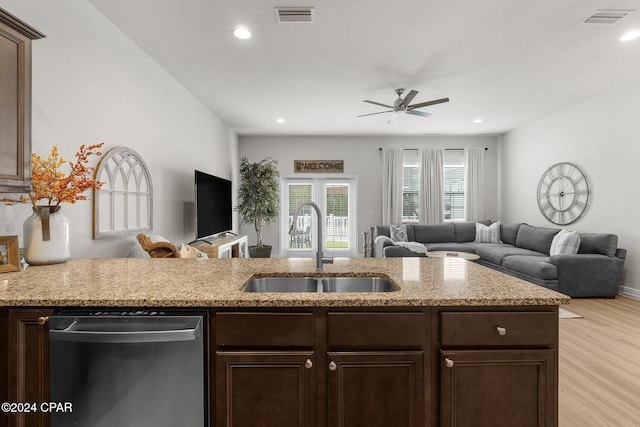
46	237
260	251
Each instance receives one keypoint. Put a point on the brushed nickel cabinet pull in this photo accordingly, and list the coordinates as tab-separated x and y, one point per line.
448	362
42	320
501	331
333	366
308	364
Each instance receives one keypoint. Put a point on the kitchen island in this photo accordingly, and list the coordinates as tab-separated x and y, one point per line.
457	344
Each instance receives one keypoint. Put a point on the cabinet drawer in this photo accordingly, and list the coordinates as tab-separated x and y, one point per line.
264	329
377	329
499	329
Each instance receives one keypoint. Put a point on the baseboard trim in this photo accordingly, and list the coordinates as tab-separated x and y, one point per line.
630	292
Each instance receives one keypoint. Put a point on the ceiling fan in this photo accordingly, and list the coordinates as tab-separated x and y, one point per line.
401	105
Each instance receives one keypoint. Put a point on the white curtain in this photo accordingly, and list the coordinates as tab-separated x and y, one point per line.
431	186
474	184
391	186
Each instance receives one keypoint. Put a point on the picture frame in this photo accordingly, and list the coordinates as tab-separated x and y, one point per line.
9	254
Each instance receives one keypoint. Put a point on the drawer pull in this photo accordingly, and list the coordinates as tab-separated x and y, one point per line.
501	331
448	362
308	364
333	366
42	320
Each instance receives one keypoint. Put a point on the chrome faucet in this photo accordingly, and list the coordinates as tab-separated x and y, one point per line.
320	259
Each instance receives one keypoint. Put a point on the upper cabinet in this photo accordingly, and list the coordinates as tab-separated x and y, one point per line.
15	103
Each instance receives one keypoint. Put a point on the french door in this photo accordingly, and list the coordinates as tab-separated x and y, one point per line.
336	198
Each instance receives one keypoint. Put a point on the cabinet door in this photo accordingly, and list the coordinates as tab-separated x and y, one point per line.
497	388
255	388
15	103
28	364
376	389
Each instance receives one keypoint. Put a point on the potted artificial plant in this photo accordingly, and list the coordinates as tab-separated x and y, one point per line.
258	199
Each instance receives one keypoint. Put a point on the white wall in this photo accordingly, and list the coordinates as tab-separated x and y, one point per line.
92	84
362	159
602	136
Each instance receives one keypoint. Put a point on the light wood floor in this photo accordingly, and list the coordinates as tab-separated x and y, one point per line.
600	364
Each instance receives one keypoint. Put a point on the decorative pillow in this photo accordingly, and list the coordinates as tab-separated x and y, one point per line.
398	233
565	243
488	233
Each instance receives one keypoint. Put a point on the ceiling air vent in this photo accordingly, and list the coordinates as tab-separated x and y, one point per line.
294	15
607	16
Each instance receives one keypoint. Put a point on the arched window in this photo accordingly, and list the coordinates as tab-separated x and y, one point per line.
124	204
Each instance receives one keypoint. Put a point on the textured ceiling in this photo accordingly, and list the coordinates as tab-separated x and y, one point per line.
505	61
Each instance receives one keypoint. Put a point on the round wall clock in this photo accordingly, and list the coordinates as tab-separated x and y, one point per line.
563	193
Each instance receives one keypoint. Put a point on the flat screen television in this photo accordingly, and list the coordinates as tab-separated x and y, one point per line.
214	207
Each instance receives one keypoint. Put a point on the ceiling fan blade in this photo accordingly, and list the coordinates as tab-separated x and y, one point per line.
379	112
377	103
407	99
418	113
392	118
425	104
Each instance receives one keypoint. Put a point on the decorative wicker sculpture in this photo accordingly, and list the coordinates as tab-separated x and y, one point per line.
158	249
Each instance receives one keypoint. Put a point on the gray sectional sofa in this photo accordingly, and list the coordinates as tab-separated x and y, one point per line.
595	271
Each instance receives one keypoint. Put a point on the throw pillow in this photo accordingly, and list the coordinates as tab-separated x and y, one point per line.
187	251
565	243
488	233
398	233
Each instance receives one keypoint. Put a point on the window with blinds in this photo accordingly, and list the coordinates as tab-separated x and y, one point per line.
453	185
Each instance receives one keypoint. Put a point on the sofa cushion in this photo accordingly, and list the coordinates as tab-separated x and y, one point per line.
535	238
466	231
496	252
565	243
382	230
437	233
398	233
532	265
488	234
450	247
509	232
598	243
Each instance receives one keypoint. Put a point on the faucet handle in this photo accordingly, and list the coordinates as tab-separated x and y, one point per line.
327	260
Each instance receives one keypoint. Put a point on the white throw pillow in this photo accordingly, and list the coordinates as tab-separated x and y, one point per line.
488	233
398	233
565	243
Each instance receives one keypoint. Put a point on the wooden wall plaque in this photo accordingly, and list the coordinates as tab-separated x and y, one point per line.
318	166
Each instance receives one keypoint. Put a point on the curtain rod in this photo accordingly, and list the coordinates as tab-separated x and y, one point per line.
446	149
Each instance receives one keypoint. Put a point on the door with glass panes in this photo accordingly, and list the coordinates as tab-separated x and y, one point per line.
336	199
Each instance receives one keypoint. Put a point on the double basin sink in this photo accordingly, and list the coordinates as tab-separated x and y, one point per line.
320	284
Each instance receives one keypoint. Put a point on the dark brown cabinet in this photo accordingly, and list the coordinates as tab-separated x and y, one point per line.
15	103
319	368
265	389
383	388
498	369
28	364
498	388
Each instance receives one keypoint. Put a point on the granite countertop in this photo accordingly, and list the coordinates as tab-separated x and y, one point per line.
218	283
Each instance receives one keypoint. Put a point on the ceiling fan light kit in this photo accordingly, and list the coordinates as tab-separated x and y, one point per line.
404	106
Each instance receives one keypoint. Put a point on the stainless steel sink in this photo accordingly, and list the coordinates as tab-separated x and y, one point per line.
320	284
282	284
357	284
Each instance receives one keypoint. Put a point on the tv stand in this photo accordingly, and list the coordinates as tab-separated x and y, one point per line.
224	247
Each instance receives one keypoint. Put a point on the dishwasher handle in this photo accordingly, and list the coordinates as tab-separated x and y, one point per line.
119	331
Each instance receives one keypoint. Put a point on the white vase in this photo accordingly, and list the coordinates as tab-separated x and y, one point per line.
48	246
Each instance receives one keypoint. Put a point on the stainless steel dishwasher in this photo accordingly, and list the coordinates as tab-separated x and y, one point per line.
128	369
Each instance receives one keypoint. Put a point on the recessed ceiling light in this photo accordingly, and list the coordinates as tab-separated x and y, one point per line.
477	121
279	120
631	35
242	33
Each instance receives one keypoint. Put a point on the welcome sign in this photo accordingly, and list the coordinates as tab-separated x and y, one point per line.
318	166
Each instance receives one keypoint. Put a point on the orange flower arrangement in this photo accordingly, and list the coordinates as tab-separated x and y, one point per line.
49	183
